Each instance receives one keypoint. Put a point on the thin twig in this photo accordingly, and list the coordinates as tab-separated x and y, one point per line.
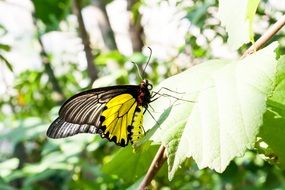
266	36
156	164
160	156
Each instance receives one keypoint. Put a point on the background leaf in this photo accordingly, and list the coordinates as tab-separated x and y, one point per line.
51	12
237	17
7	63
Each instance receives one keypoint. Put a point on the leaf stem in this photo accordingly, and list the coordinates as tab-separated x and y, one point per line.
266	36
156	164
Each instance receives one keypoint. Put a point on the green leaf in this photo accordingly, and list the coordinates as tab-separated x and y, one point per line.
134	164
138	58
51	12
149	133
237	17
135	185
198	12
279	91
251	10
104	58
229	102
8	64
272	133
5	47
273	129
8	166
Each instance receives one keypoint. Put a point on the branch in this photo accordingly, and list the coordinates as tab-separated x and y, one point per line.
46	62
92	72
160	156
266	36
156	164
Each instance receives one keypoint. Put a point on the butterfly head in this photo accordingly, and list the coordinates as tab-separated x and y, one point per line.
146	85
144	95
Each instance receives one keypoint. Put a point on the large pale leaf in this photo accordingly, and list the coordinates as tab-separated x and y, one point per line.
237	17
229	102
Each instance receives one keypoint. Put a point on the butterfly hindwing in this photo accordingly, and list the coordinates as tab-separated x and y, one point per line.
136	129
116	118
113	112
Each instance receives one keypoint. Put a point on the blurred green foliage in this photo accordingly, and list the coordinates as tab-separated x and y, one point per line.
51	12
4	48
31	161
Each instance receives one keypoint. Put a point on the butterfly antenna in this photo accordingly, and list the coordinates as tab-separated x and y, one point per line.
138	69
143	73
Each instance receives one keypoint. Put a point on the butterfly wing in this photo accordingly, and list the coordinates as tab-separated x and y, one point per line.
113	112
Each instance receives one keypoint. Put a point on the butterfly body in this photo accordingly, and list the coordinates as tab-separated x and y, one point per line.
115	112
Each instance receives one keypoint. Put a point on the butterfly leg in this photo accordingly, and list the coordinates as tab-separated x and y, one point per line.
159	94
157	123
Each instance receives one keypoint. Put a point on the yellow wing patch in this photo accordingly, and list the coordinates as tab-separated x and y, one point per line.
122	120
137	130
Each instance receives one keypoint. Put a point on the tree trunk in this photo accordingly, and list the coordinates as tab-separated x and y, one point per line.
135	28
92	71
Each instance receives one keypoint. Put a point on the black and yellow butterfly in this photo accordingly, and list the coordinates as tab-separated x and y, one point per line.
116	113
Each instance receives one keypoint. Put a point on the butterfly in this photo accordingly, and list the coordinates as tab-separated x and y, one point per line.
115	112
